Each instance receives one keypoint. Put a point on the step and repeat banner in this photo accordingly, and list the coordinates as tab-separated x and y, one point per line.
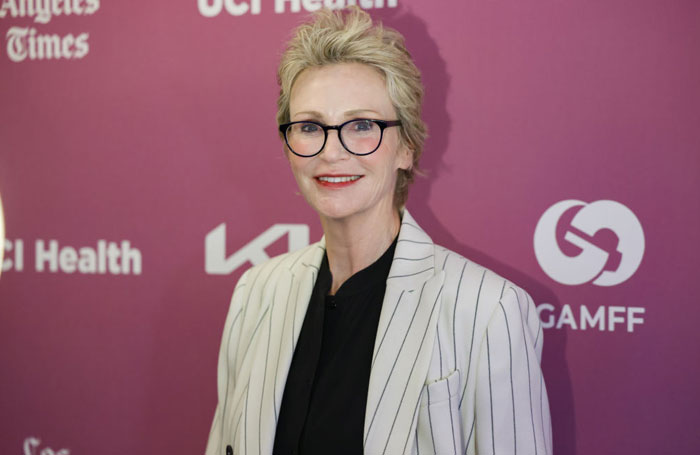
141	173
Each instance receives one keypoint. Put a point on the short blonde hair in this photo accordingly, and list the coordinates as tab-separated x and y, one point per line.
349	36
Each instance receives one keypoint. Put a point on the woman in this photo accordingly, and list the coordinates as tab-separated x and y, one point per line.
374	339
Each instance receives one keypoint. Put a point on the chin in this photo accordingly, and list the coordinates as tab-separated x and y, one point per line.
335	211
334	207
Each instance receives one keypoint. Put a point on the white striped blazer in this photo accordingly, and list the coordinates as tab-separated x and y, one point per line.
455	369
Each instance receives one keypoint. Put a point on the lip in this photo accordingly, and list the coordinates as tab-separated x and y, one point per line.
336	185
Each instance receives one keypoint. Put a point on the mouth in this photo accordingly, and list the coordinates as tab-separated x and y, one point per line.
337	181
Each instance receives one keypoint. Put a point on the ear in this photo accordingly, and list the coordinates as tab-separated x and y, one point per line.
404	158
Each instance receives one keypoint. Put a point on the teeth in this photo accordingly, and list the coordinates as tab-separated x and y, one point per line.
339	179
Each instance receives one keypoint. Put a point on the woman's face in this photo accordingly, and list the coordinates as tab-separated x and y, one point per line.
331	95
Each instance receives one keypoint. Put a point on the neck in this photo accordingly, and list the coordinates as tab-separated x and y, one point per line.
355	242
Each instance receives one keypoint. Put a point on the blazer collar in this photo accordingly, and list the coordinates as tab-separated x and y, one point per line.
414	258
413	262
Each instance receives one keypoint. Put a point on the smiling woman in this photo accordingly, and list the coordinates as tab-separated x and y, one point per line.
345	189
374	339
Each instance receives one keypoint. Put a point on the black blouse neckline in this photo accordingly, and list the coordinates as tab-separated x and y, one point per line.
362	280
324	402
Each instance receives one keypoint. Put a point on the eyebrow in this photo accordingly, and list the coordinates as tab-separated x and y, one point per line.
350	113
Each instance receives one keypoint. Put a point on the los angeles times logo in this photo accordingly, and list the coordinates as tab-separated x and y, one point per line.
595	264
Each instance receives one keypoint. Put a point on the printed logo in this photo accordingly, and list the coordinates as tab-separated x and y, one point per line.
216	262
115	258
573	250
212	8
31	447
28	43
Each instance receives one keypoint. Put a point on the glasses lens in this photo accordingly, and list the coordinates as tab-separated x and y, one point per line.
305	138
361	136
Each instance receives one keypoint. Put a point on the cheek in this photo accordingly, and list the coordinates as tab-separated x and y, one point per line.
394	160
295	164
300	171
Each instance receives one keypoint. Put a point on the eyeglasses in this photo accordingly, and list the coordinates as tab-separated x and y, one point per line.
359	136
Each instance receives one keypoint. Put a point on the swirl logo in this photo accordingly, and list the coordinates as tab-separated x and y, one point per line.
576	242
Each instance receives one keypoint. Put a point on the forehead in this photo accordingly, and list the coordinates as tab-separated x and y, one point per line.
333	90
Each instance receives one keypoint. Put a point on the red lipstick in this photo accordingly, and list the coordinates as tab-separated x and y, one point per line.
336	180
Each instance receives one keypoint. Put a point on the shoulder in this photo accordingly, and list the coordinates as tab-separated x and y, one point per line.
293	262
465	282
253	290
468	283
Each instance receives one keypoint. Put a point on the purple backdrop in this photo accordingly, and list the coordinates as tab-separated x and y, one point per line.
130	131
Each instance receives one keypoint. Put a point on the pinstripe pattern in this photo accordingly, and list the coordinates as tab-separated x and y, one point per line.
529	375
455	366
488	357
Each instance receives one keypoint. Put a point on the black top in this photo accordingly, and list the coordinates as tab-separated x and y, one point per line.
323	407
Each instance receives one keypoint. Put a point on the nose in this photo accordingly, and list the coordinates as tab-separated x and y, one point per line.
333	150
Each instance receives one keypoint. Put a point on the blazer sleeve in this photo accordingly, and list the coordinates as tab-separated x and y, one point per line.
512	410
226	381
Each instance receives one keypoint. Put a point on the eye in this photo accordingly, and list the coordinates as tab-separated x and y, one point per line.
362	125
309	128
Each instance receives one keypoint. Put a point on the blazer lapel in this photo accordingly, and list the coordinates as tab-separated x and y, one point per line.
287	302
404	342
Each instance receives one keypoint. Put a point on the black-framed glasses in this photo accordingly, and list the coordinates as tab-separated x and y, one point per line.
360	136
